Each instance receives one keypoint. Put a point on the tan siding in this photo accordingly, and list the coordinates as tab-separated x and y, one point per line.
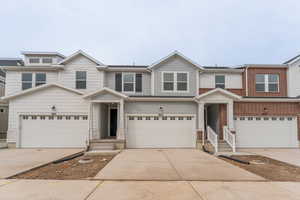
80	63
41	102
14	83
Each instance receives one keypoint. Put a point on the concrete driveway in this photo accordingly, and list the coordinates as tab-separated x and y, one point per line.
171	164
14	161
291	156
146	190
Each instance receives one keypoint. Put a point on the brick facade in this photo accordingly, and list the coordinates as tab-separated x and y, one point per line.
266	108
251	74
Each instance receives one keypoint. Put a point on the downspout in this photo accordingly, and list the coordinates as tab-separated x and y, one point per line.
246	80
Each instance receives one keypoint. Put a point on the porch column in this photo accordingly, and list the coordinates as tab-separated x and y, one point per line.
201	120
120	132
90	117
230	116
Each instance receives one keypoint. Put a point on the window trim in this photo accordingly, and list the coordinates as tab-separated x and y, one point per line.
134	81
266	83
175	82
81	80
220	83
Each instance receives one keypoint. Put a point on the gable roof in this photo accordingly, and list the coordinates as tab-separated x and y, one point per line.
175	53
80	52
220	90
292	60
105	89
39	88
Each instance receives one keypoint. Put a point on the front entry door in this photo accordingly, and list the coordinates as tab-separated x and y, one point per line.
113	122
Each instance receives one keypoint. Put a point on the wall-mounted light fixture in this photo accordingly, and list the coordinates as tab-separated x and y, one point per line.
161	111
53	110
265	111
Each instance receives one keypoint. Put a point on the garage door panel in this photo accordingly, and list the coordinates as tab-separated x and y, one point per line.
266	131
161	133
53	132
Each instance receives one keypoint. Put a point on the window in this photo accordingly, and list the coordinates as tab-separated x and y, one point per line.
131	118
40	79
47	60
34	60
182	83
81	80
168	81
26	81
128	82
84	117
220	81
267	83
175	81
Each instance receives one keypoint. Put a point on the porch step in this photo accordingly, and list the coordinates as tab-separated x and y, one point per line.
224	147
102	152
101	146
3	144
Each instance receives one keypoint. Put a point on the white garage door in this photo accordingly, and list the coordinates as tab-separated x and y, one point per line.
161	132
53	131
266	131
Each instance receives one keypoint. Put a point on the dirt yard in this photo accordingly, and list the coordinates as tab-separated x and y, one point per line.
268	168
68	170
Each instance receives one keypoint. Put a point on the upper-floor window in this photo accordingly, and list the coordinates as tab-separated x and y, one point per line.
34	60
47	60
175	81
26	81
128	82
267	82
39	60
220	81
40	79
81	80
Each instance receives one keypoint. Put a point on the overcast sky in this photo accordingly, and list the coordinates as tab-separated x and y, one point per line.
222	32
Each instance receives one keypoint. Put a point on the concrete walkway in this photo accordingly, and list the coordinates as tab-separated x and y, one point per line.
146	190
172	164
291	156
13	161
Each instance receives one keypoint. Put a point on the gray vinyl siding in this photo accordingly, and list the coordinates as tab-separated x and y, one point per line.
175	64
110	78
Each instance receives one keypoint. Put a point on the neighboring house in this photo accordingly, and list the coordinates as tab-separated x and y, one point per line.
74	101
3	104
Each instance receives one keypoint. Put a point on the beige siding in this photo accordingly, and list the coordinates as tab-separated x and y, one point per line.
80	63
41	102
14	82
232	81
